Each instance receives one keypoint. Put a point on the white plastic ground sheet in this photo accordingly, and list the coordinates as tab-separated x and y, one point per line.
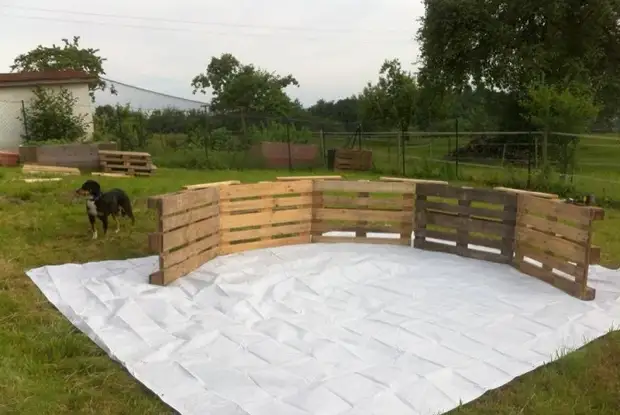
327	329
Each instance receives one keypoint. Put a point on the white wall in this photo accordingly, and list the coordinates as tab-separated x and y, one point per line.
12	127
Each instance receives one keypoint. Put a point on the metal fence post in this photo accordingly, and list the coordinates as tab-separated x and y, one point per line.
529	159
207	136
402	153
456	148
121	137
323	146
288	141
25	121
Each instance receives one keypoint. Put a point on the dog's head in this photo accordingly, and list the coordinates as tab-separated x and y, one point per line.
89	188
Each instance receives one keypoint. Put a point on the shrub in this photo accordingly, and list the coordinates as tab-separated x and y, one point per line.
50	116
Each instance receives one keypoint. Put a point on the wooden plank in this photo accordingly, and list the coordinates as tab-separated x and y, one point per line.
321	227
171	203
189	234
419	221
561	248
208	185
557	281
47	179
169	223
355	240
406	226
361	202
155	241
527	192
407	180
456	250
370	187
462	233
266	243
577	235
471	239
265	218
120	175
123	153
317	204
468	224
266	189
466	210
346	202
294	178
595	255
550	260
362	215
125	160
266	232
36	168
563	211
466	193
271	203
176	257
168	275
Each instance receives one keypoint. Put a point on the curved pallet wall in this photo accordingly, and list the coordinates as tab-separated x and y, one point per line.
541	236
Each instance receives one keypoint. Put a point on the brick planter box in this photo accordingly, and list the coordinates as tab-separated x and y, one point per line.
9	159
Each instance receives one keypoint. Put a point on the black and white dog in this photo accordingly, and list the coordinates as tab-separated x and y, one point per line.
104	204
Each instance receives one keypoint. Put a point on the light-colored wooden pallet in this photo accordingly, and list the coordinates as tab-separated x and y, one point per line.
40	169
208	185
187	232
127	162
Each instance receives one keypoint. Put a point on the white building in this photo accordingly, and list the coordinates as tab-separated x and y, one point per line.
16	91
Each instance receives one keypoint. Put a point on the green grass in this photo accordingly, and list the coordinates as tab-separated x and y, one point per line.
48	367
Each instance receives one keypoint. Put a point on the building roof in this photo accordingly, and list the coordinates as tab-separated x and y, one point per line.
44	77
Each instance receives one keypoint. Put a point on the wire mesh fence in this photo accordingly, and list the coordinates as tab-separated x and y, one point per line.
182	133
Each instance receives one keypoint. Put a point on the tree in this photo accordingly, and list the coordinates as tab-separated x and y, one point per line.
50	116
344	111
505	45
394	98
568	109
243	88
69	56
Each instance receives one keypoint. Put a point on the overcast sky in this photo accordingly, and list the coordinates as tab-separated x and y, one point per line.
332	47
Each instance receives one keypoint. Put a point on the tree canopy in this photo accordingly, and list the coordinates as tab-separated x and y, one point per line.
507	45
244	88
69	55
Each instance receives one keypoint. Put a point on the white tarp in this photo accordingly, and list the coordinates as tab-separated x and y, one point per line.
327	329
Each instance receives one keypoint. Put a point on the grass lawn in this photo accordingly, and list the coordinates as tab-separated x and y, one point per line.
49	367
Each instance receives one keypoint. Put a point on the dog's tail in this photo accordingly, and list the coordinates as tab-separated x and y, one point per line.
126	210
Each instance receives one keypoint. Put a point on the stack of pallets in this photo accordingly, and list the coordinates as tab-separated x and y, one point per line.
126	162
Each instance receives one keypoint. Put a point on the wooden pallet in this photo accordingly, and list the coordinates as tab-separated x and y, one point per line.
360	160
126	162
